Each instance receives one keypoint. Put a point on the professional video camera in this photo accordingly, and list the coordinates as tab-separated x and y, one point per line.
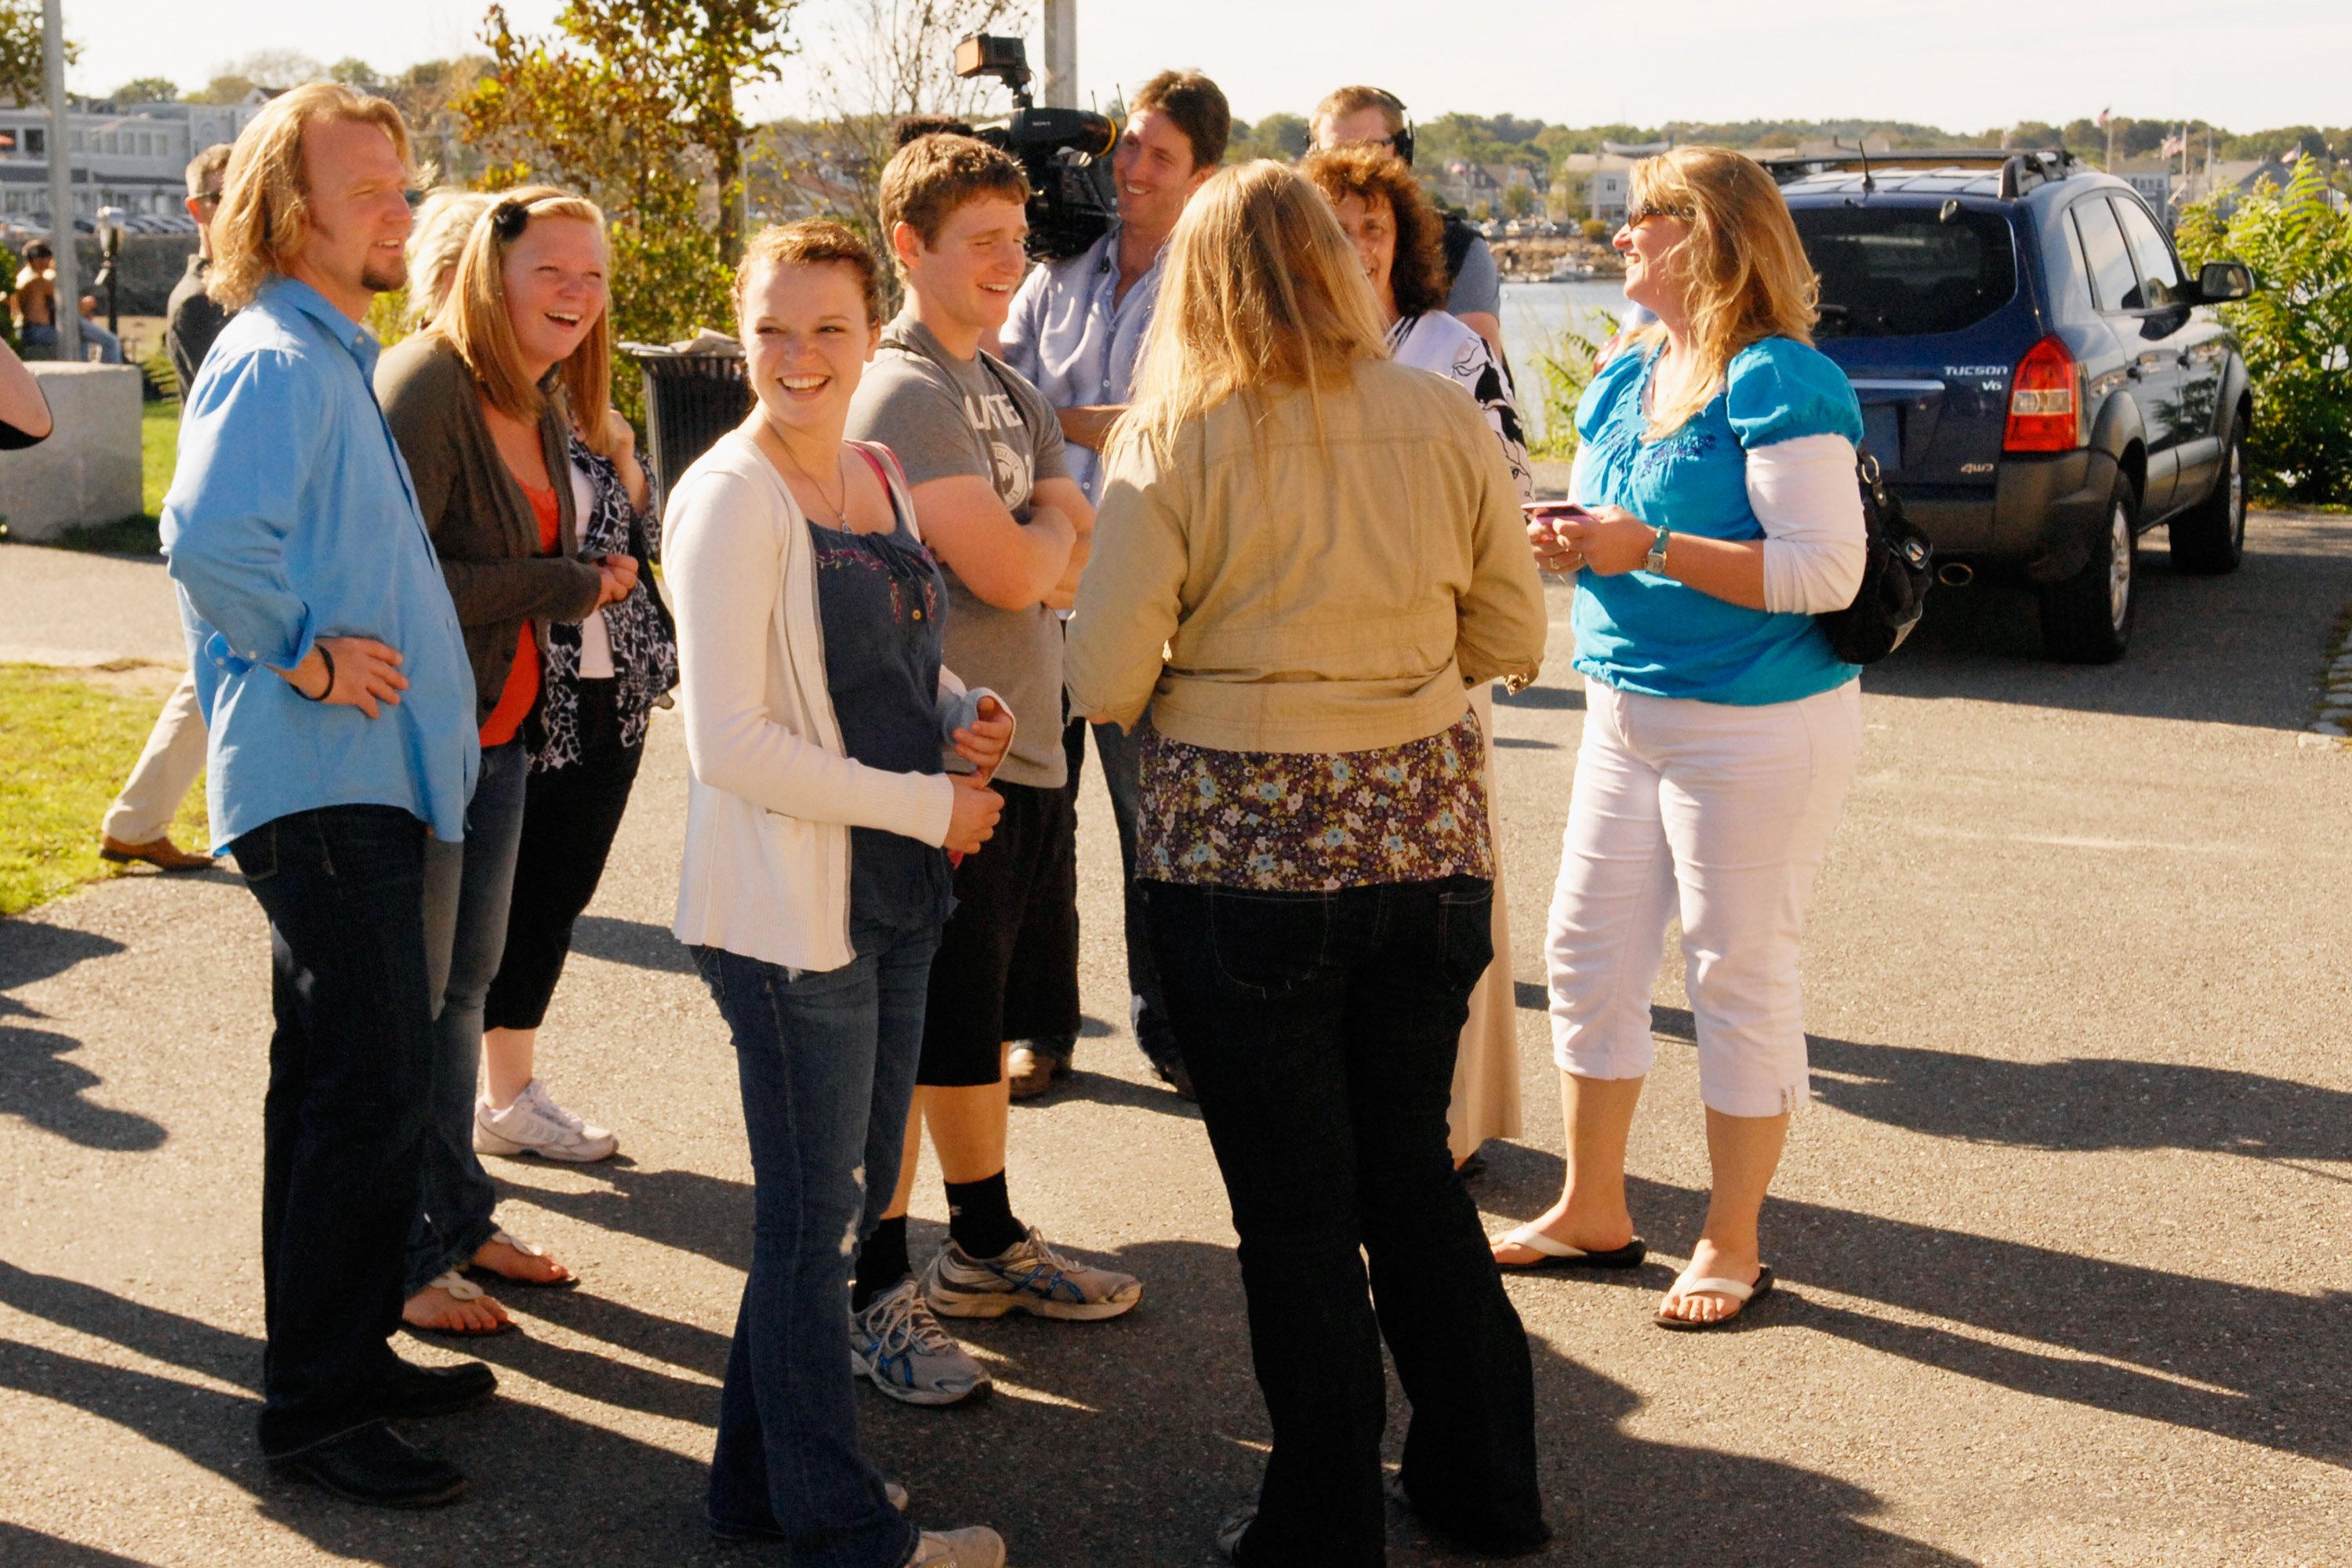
1065	153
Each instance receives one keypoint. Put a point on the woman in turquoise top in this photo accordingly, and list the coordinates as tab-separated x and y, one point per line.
1720	516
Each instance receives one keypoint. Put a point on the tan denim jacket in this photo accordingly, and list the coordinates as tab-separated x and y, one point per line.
1261	589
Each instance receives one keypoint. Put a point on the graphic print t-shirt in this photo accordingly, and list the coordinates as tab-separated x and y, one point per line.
944	417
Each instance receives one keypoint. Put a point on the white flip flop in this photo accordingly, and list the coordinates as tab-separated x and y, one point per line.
1559	1255
1745	1295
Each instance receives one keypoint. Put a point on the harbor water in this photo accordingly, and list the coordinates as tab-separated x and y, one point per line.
1534	313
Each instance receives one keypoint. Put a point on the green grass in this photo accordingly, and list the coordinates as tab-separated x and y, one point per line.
66	747
159	448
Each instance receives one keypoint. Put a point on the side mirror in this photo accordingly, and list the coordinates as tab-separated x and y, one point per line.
2218	282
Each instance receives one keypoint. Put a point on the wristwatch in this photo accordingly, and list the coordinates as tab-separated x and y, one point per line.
1656	560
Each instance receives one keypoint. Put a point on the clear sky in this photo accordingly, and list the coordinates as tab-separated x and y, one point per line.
1965	64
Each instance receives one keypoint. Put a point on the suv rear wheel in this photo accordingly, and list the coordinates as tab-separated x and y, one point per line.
2087	618
2211	537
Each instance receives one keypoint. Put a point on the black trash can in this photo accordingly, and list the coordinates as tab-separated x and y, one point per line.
692	399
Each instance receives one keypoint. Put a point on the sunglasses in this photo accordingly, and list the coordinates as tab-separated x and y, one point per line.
1635	216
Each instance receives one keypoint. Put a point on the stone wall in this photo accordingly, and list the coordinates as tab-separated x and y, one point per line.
89	471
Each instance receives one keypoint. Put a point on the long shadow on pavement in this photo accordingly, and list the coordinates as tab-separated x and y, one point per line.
2259	1364
38	1085
2203	648
23	1548
1078	1459
639	944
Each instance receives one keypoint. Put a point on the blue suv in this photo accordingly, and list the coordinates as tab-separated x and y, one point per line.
2038	377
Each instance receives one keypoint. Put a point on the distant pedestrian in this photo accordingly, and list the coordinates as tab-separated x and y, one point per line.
332	678
1716	455
481	402
1308	553
98	346
816	875
1399	238
33	302
138	826
191	318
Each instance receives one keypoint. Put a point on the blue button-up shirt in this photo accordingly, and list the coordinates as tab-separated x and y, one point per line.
290	519
1073	343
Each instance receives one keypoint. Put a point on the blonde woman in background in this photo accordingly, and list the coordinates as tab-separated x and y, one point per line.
444	218
1309	554
1717	460
480	403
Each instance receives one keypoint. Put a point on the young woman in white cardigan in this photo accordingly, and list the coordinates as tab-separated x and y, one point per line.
820	817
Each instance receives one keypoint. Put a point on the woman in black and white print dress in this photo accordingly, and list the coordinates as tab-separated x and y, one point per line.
602	679
1399	238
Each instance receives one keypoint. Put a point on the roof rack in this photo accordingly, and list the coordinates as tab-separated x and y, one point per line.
2021	169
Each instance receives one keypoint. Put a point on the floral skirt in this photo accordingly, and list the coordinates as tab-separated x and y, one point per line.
1310	822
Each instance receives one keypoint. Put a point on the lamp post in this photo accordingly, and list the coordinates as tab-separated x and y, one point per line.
110	241
68	304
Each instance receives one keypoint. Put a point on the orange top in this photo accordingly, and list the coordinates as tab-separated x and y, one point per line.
521	691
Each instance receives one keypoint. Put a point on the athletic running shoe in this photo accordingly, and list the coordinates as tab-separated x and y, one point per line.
976	1547
1030	1277
898	1344
535	1124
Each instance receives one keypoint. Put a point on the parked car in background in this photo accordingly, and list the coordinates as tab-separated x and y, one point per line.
2039	379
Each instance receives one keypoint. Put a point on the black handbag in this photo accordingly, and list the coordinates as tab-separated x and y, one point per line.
1896	573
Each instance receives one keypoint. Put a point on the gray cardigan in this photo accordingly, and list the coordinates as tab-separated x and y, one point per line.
479	518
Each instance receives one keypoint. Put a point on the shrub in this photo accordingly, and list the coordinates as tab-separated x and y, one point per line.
1594	230
1563	362
2295	332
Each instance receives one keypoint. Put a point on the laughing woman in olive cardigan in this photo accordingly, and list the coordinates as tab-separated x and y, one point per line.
479	403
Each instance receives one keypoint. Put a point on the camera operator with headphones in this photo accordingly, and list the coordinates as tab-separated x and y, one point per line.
1475	285
1074	330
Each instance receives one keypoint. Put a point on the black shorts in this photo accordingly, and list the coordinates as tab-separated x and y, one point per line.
1007	968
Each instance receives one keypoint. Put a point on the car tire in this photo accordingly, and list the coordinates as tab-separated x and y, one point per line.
2211	537
2087	618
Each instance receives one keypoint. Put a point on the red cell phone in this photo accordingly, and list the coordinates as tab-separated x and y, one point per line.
1552	511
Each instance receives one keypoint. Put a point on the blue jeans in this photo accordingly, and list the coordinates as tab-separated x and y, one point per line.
827	1065
1121	754
350	1063
1321	1029
468	887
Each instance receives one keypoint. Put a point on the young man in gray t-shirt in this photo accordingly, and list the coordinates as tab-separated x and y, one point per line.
994	497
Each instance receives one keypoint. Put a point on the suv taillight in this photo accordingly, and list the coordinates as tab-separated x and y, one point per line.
2043	416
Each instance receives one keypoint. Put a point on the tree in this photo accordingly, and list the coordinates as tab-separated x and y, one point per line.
352	71
890	59
227	88
147	90
2295	332
1518	200
20	51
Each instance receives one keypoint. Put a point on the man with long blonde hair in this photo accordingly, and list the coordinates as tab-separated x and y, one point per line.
337	702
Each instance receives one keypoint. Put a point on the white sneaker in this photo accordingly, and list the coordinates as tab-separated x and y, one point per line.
898	1344
976	1546
535	1124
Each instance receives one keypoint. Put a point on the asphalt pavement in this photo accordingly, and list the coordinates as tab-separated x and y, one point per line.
2062	1241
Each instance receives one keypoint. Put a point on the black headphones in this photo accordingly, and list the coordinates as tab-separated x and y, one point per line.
1401	143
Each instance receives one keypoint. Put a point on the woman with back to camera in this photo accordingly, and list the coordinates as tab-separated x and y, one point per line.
482	405
1401	240
1309	554
1717	460
815	882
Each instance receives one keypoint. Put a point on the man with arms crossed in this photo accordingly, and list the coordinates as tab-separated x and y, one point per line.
334	685
994	501
1074	330
1371	114
138	826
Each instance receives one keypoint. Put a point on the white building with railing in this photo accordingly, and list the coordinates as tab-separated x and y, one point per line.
134	157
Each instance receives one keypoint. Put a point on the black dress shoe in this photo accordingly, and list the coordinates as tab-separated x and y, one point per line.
377	1466
415	1391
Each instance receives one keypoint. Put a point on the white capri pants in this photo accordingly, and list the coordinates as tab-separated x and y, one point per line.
1721	815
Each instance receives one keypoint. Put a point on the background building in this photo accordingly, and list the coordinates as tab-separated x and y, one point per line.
134	156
